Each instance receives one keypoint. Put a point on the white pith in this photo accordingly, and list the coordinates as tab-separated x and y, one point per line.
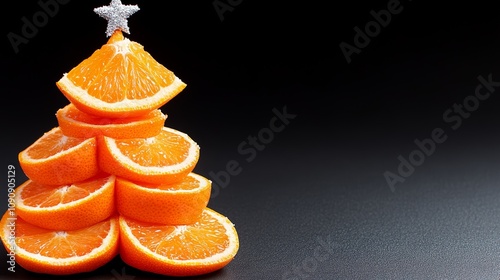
106	243
216	258
204	183
26	157
94	194
83	97
192	155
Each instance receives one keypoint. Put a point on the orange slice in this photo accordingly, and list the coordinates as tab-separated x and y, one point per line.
66	207
60	252
163	159
56	159
119	80
76	123
172	204
187	250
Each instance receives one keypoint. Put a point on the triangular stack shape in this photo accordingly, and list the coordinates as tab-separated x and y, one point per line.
113	179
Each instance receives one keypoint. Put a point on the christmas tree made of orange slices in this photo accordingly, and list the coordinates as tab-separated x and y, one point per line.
112	179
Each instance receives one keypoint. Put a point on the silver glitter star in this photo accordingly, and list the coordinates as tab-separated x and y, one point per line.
116	14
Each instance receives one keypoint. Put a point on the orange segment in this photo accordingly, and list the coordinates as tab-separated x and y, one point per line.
164	159
76	123
66	207
120	80
173	204
187	250
56	159
60	252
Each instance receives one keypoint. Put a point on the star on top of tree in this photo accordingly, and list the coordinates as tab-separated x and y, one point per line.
116	14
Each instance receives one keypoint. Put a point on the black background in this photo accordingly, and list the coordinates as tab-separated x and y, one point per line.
322	176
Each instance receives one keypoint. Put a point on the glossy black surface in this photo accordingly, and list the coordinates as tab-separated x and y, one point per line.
309	200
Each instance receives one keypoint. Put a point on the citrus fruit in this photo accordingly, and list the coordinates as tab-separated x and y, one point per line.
186	250
66	207
56	159
163	159
60	252
76	123
173	204
120	79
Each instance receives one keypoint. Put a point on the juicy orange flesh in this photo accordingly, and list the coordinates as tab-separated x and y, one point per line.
83	74
60	244
188	183
79	116
197	241
117	36
162	150
37	195
121	70
52	144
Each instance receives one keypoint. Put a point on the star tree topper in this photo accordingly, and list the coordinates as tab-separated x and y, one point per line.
116	14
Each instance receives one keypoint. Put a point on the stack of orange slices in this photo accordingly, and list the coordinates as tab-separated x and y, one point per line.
112	180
